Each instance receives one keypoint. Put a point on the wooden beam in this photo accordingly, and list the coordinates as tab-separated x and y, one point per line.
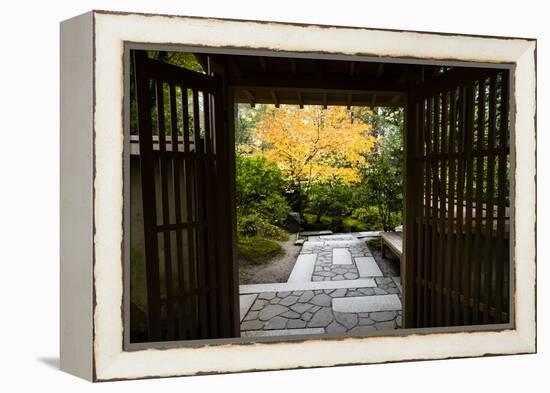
203	60
351	68
314	83
395	99
252	98
263	63
403	77
300	99
275	98
293	65
380	70
234	66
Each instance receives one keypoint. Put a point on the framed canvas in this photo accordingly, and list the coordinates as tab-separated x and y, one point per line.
152	230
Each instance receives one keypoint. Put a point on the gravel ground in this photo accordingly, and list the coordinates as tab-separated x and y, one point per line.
276	270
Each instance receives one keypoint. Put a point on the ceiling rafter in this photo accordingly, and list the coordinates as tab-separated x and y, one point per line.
380	70
263	63
300	99
275	98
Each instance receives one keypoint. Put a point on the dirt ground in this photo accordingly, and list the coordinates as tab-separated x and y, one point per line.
276	270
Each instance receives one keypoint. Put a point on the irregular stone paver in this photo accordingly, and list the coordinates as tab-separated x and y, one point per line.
245	302
321	318
276	323
349	320
271	311
291	315
321	300
397	282
296	324
289	300
333	301
335	327
306	297
383	316
300	307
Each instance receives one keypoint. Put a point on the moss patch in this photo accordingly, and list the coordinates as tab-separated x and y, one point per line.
258	250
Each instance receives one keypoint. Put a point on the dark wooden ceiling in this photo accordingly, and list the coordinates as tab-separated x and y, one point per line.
299	81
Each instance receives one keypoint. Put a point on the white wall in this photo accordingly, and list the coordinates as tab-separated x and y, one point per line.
29	152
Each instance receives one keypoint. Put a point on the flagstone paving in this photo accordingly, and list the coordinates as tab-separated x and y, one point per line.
324	295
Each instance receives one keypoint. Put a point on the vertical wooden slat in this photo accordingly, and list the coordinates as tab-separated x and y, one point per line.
488	232
410	211
143	100
501	201
164	168
451	207
469	129
211	215
435	290
222	146
231	266
477	254
459	203
201	215
192	228
428	210
420	217
443	209
176	160
459	208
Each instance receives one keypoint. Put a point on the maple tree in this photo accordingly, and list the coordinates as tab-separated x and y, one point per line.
313	144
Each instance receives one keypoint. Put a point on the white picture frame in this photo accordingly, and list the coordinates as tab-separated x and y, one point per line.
92	140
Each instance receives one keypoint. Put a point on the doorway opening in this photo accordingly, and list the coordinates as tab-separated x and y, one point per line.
230	155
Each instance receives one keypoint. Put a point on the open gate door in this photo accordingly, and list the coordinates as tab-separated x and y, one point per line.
185	160
457	199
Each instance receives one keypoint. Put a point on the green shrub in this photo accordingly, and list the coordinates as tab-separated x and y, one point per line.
369	216
258	250
354	225
309	218
331	199
326	220
254	225
257	178
274	208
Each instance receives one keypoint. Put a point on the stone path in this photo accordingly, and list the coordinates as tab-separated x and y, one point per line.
336	286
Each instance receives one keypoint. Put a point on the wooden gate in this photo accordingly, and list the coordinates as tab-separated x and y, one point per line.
457	199
185	156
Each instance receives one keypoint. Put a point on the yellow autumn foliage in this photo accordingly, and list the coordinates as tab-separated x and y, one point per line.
313	144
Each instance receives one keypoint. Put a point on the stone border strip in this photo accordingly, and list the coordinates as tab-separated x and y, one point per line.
341	256
281	332
307	286
303	268
367	267
367	303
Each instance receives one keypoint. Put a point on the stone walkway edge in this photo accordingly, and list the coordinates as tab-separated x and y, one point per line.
306	286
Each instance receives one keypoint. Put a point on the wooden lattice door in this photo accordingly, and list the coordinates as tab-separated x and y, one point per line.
457	199
185	160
